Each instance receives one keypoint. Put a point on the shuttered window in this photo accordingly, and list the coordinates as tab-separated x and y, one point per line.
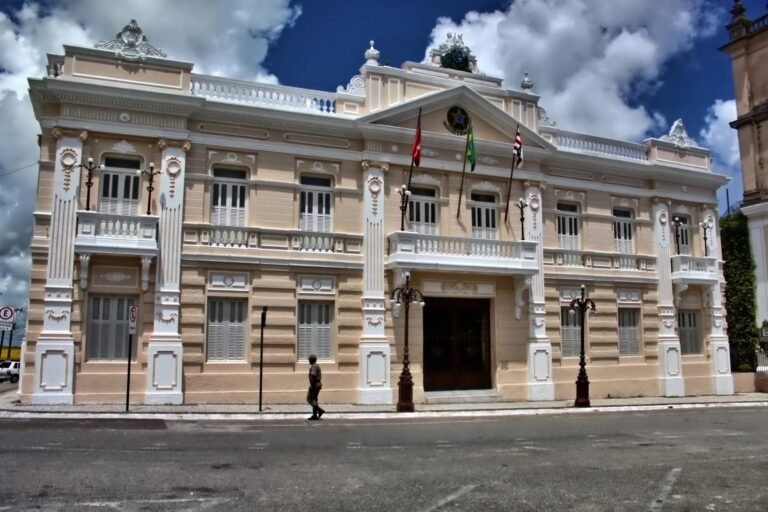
228	197
485	214
315	204
568	229
682	234
629	331
422	211
120	184
107	336
688	331
570	332
314	330
226	330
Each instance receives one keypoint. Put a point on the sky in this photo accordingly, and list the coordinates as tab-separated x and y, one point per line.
625	69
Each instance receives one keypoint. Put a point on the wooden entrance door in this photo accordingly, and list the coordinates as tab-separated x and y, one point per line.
457	344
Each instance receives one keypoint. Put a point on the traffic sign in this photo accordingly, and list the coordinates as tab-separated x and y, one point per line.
7	317
133	316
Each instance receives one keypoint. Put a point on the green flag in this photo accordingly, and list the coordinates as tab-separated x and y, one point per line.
471	153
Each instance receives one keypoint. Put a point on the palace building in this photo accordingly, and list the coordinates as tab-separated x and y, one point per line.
203	200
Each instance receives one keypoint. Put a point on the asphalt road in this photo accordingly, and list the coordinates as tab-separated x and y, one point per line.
681	460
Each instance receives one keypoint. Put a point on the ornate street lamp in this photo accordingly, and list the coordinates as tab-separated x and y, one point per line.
90	167
405	295
677	221
151	173
705	226
582	382
521	204
405	196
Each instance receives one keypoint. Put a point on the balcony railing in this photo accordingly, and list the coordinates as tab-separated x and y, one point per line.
119	234
599	260
415	250
693	269
238	238
590	144
267	95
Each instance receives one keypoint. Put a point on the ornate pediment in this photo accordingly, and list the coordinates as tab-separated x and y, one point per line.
131	44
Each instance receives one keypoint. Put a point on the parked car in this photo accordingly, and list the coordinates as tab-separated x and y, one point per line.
9	370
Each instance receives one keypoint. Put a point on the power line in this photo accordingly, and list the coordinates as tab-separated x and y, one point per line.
17	170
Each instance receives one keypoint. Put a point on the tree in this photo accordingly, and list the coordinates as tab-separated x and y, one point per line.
739	271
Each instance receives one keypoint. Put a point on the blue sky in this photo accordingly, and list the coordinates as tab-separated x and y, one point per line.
619	68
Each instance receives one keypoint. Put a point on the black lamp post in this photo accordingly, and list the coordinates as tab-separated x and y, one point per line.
405	195
677	221
582	382
521	204
705	227
405	295
151	173
90	167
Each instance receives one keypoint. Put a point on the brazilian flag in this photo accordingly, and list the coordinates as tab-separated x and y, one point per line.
471	153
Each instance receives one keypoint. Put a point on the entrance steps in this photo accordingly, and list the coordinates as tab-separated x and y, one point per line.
464	396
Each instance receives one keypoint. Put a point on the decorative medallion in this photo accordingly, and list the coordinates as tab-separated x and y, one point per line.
131	44
457	120
124	147
228	281
68	160
115	277
374	185
454	54
124	117
173	168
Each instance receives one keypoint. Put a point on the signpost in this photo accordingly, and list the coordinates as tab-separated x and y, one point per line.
7	317
133	316
7	323
261	352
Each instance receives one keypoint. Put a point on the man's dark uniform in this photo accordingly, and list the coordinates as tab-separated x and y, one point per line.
315	385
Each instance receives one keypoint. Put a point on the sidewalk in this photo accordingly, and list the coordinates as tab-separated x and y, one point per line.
10	408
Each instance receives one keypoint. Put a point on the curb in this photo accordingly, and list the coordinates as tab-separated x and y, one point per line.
271	416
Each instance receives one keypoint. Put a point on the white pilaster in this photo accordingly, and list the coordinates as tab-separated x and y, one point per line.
55	349
757	215
375	351
669	352
165	352
540	383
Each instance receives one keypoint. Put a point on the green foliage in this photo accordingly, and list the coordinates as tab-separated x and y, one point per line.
739	271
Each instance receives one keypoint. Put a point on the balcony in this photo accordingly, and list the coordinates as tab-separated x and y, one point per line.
433	252
695	270
251	244
116	234
599	260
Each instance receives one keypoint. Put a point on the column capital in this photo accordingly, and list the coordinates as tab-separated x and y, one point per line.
367	164
542	185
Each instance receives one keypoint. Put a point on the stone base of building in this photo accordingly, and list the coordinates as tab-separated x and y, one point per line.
54	368
164	373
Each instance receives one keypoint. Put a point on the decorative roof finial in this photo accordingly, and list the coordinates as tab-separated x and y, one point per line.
678	136
372	55
131	44
738	9
527	83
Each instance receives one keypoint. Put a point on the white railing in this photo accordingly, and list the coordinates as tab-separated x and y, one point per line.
409	248
583	143
259	238
694	268
113	233
598	260
254	93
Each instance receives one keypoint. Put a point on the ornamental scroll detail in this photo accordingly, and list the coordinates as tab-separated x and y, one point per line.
131	44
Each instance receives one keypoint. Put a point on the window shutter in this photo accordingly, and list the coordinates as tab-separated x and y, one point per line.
236	332
216	331
305	331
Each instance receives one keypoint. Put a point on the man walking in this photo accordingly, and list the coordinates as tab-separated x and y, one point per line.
315	385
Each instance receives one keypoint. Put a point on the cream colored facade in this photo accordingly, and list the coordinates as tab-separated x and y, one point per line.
748	48
310	229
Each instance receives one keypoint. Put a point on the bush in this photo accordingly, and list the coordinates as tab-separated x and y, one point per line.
739	271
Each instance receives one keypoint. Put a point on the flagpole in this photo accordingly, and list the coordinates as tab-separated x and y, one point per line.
464	169
404	203
509	187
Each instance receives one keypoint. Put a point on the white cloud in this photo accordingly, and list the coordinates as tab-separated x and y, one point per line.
229	39
723	141
589	58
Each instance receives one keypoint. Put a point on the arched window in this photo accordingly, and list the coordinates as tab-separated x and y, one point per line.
315	200
422	213
485	216
120	186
